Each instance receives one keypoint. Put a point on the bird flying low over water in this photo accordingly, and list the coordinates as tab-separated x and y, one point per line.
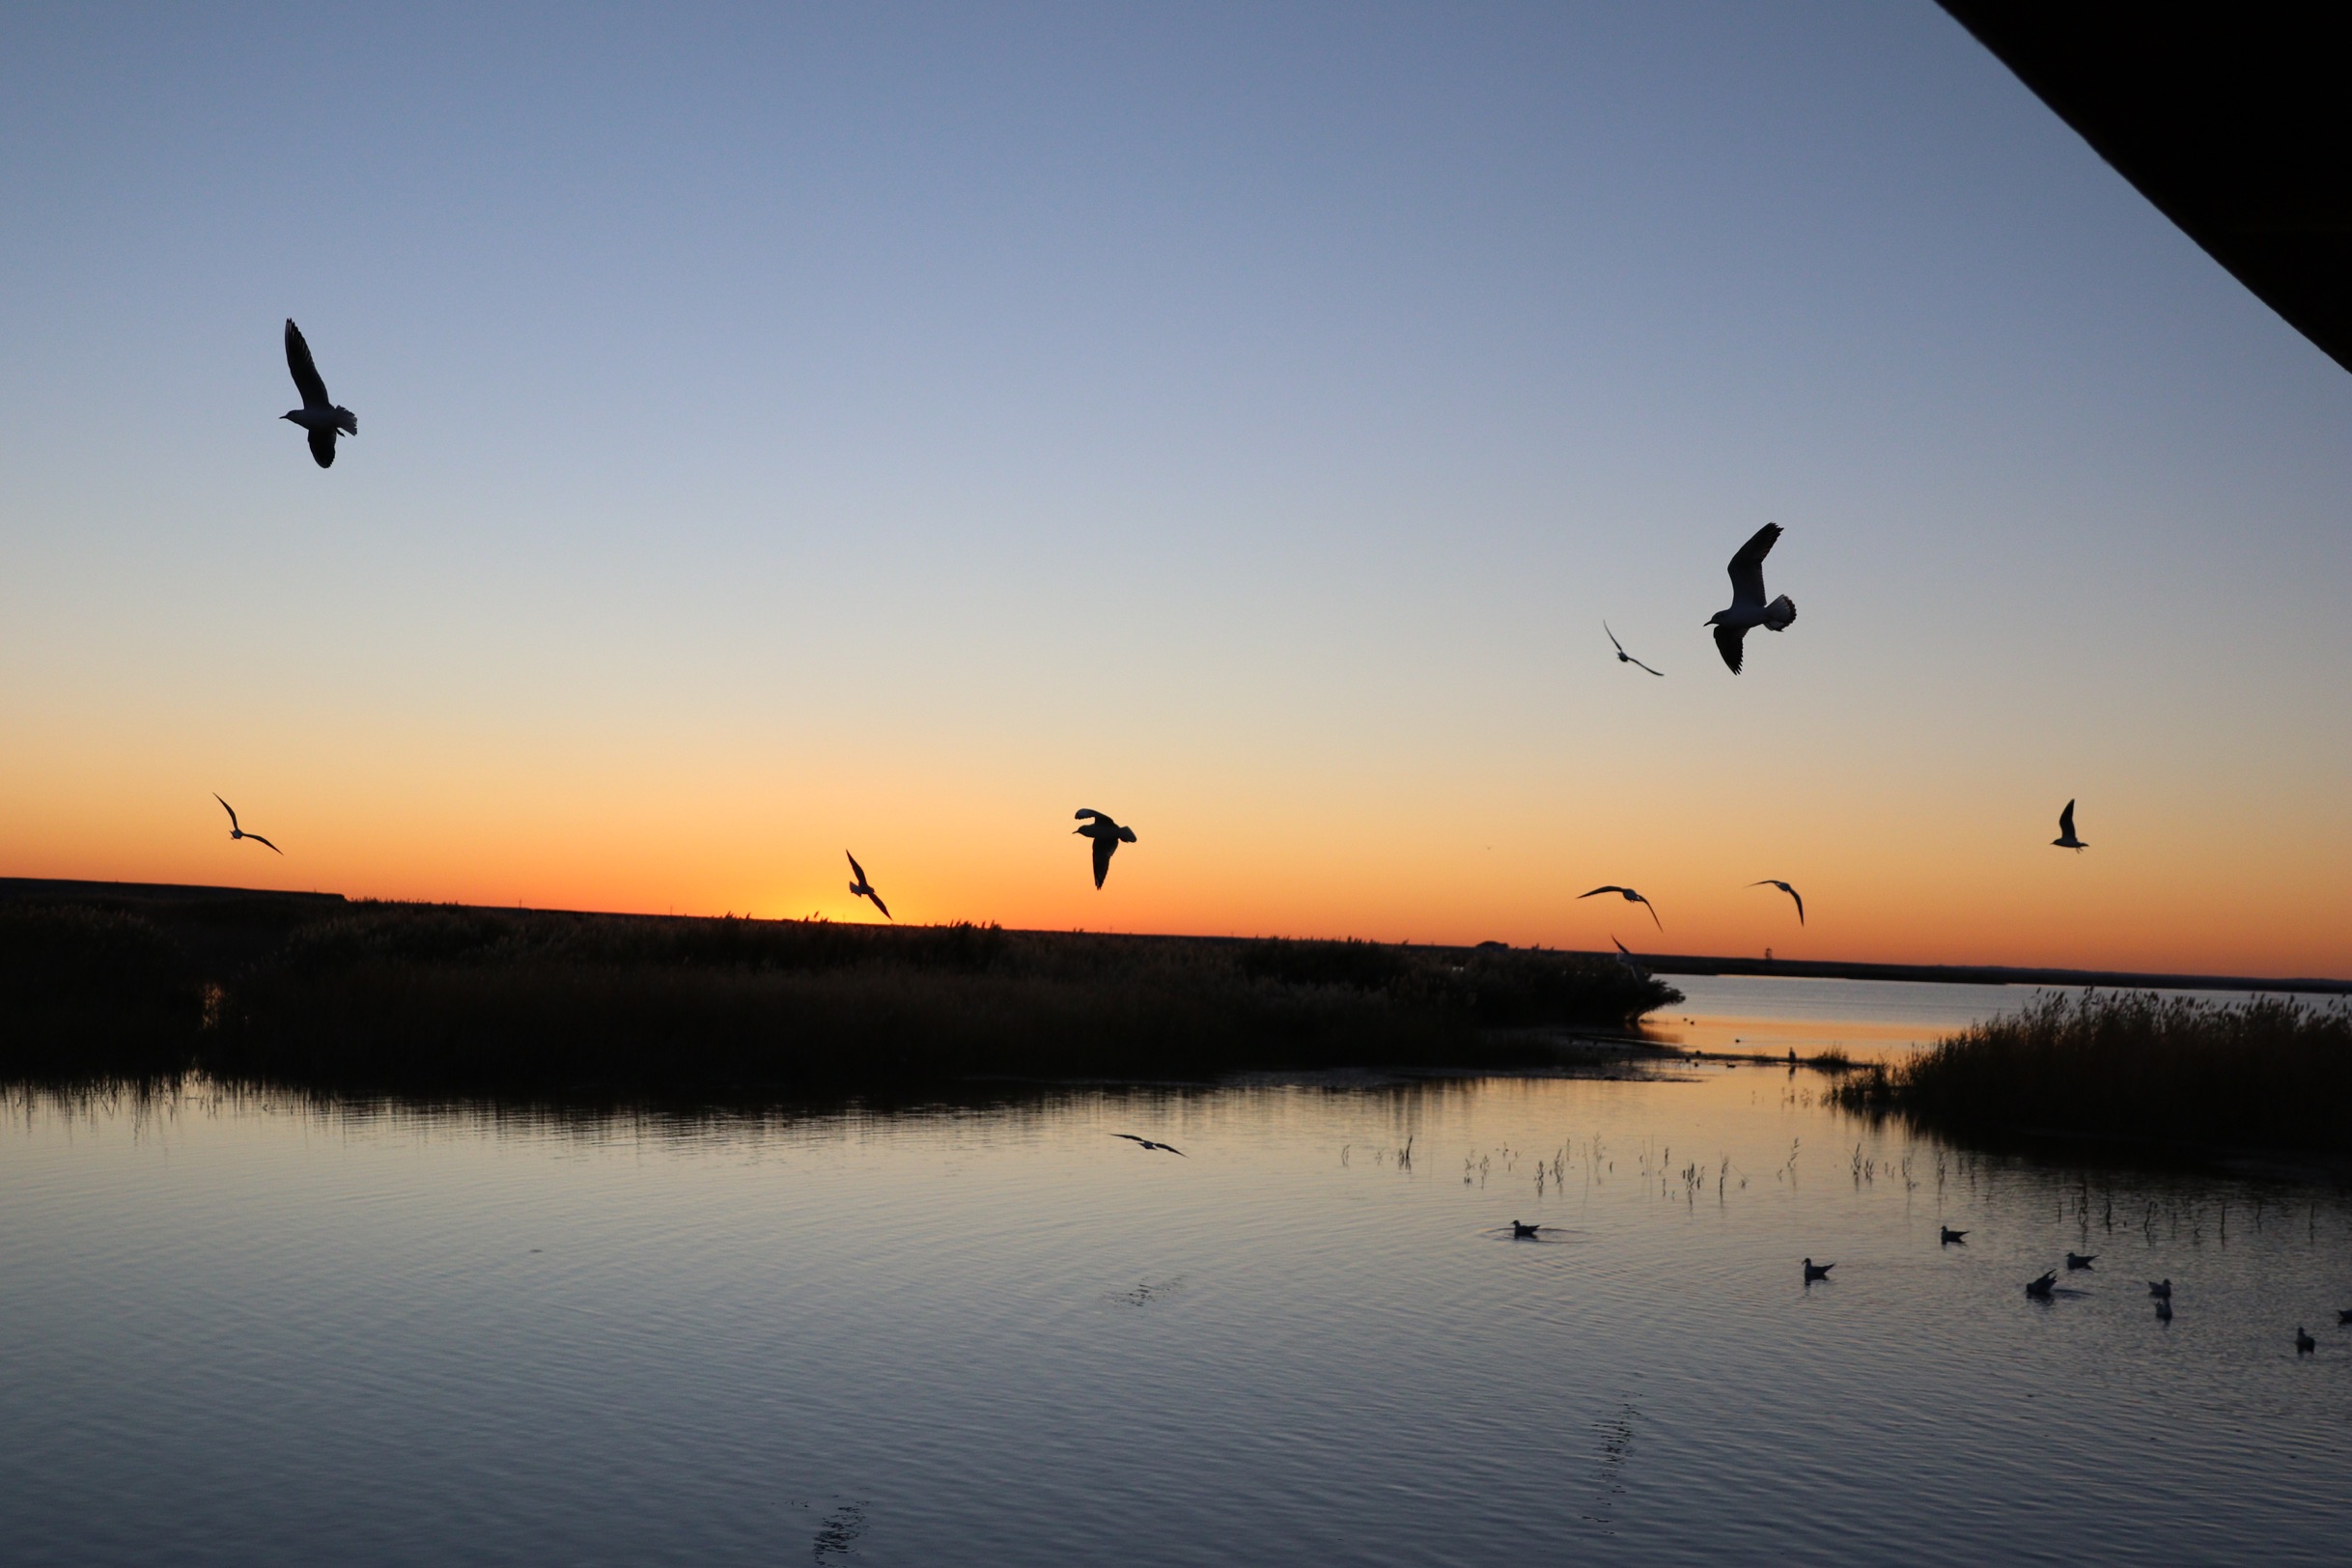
1771	882
1165	1148
1630	896
1624	657
1747	607
2066	839
319	414
859	887
1108	836
237	832
1816	1271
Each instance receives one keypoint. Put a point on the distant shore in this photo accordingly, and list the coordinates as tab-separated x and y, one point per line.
42	890
316	992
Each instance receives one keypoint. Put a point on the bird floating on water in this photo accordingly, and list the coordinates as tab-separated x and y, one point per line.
1950	1236
2305	1344
1747	607
1774	882
2042	1287
1524	1233
237	832
1630	896
2066	839
2164	1310
319	414
1816	1271
1165	1148
1624	657
859	887
2161	1289
2081	1260
2343	1315
1108	836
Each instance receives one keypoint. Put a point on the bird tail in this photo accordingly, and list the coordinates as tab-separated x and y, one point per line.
346	421
1779	613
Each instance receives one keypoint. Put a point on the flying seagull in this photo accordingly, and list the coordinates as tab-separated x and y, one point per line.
1165	1148
1624	657
235	832
1108	836
862	889
1747	607
2066	839
1772	882
1630	896
319	414
1624	956
1816	1271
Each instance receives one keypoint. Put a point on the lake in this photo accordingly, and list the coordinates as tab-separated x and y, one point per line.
240	1329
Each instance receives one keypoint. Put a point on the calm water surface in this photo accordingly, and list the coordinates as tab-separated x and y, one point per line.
234	1331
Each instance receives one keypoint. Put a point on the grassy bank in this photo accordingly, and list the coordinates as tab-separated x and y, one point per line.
2265	1072
446	999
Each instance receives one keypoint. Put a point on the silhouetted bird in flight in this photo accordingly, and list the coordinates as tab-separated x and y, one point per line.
2066	839
2042	1287
1630	896
2305	1344
1771	882
2161	1289
1624	956
319	414
1816	1271
862	889
2081	1260
1624	657
1165	1148
1950	1236
237	832
1747	607
1108	836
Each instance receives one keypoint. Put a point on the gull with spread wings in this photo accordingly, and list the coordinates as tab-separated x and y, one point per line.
1624	657
2066	839
1165	1148
1108	836
319	414
1774	882
1630	896
235	832
1747	607
862	889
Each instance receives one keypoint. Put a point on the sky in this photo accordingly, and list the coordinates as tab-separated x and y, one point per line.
891	428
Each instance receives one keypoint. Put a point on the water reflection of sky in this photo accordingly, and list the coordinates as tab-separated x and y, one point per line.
234	1332
1861	1018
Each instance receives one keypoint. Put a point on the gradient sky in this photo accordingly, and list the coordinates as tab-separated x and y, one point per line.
895	427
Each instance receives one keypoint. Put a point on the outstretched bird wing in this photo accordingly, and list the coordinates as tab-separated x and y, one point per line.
879	904
231	810
306	379
323	447
1728	643
1798	897
855	870
1653	908
1747	567
1612	637
1622	948
1638	664
1103	845
264	843
1089	811
2066	821
1612	887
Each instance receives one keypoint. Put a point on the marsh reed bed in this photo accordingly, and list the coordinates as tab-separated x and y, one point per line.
2265	1072
455	999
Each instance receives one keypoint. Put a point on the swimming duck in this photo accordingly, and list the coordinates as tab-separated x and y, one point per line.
1524	1233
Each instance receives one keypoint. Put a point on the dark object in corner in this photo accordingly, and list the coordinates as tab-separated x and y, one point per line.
2231	119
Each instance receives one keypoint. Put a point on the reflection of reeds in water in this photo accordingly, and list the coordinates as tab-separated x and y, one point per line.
445	997
2266	1072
